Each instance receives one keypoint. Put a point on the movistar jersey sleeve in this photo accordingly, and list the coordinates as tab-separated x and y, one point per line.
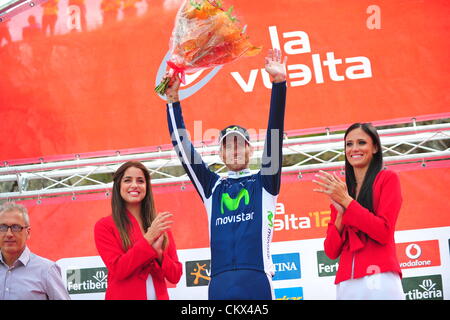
272	156
199	173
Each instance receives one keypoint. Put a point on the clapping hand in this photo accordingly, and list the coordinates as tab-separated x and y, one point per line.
156	232
334	187
158	246
158	227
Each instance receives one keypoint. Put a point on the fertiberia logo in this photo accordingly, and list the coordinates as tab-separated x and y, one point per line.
325	266
89	280
423	288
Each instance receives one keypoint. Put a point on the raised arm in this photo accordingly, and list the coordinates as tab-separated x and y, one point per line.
272	156
199	173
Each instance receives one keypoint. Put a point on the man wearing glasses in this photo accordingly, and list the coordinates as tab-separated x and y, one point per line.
24	275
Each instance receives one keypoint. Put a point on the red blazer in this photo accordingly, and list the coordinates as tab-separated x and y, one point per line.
367	237
128	270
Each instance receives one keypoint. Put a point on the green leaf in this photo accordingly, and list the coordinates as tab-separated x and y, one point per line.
196	5
228	13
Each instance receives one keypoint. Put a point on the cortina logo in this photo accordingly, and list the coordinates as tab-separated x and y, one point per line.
287	266
233	204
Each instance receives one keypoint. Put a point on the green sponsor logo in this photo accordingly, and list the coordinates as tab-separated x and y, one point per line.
423	288
233	204
89	280
232	129
270	218
325	266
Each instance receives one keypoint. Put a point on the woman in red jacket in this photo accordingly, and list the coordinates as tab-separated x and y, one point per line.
361	231
134	242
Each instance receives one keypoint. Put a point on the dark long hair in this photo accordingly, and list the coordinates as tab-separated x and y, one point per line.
365	196
148	213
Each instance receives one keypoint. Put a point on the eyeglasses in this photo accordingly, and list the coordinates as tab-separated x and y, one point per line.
15	228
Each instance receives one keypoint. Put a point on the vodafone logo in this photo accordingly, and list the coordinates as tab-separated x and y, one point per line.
419	254
413	251
194	82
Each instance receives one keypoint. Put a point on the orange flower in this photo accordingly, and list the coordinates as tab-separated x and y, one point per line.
205	36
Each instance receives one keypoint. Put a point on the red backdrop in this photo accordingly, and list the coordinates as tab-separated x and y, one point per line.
65	229
78	92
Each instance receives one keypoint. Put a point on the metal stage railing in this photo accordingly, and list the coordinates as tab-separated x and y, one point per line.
405	145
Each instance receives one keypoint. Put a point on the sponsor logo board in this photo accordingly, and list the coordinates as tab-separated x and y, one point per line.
294	293
87	280
423	288
325	266
198	273
287	266
418	254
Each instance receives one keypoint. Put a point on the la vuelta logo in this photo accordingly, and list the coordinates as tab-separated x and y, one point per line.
284	221
301	74
297	42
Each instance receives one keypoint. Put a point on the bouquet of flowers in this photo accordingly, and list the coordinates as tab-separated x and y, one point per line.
205	36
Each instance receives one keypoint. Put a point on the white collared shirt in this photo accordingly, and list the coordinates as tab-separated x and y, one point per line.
31	278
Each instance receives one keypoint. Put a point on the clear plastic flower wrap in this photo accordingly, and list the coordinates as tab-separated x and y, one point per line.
205	35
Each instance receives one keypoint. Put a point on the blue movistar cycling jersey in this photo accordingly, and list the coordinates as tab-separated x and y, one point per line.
240	207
